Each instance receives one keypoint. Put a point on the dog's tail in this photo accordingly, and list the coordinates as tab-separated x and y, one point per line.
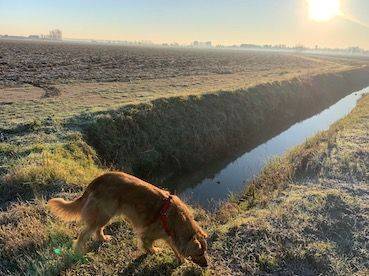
67	210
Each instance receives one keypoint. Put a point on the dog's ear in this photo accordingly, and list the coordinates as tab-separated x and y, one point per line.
203	243
193	246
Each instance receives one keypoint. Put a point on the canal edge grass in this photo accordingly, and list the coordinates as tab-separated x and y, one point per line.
306	213
173	136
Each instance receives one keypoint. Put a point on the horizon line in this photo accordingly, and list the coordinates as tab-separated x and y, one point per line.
190	43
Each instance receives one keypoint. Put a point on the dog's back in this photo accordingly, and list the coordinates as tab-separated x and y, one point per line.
112	193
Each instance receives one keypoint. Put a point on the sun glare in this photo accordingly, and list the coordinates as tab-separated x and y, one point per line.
324	10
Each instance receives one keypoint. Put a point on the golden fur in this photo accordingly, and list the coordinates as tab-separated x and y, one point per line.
117	193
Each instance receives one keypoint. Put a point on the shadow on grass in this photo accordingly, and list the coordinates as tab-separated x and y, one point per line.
131	268
149	265
27	191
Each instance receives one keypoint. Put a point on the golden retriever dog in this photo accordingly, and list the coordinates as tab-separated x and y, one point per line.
154	214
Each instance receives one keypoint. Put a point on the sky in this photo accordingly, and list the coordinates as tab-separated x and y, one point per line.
224	22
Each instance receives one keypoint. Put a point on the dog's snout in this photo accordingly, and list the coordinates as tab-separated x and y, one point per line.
201	261
205	264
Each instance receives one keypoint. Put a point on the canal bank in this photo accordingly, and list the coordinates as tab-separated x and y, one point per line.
177	136
217	185
306	213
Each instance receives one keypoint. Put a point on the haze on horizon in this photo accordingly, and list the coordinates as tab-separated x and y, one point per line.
225	22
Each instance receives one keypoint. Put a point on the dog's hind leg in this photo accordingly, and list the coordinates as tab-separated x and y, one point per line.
95	219
96	226
94	214
101	236
101	220
80	243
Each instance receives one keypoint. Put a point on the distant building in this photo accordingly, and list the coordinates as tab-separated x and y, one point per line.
355	50
206	44
13	37
55	34
34	37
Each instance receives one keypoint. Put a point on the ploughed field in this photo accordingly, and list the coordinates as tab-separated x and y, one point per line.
54	63
40	79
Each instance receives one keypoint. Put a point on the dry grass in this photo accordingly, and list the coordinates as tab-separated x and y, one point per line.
68	163
307	229
28	236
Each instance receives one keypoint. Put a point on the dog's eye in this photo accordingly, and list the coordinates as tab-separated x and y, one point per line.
192	238
204	245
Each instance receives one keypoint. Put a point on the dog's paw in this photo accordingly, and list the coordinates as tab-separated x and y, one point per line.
153	250
106	238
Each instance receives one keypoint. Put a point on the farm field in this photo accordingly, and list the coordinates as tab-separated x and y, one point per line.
55	63
57	79
51	93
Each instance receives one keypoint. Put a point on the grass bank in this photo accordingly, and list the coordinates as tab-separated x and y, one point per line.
307	212
179	134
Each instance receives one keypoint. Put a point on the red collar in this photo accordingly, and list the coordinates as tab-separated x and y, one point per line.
163	215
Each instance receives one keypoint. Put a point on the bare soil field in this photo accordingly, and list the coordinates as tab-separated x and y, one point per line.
41	79
52	63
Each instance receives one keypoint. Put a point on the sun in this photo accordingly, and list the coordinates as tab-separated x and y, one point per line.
324	10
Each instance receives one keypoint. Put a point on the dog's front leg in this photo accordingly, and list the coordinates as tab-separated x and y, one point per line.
147	246
179	256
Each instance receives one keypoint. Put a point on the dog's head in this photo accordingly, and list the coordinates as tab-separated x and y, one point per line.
196	249
189	238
